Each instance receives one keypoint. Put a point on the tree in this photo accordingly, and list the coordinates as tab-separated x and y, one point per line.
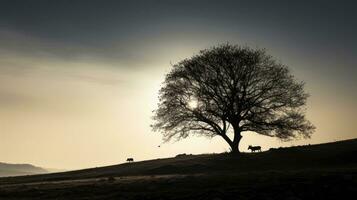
230	88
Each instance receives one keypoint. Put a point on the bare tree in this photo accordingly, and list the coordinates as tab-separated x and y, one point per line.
231	87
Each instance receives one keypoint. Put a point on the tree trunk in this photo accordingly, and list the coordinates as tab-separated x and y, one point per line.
237	137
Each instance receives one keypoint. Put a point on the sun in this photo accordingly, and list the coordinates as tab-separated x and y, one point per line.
192	104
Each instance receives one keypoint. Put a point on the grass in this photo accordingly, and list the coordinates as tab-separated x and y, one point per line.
325	171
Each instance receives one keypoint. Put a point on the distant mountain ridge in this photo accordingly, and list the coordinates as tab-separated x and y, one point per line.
7	169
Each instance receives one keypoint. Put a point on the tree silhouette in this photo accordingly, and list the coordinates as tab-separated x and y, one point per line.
230	88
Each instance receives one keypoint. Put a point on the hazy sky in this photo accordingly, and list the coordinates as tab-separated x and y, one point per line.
79	79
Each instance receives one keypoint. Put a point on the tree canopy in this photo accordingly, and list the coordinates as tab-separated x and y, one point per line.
231	88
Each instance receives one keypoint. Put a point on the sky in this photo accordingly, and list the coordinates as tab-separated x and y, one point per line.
79	79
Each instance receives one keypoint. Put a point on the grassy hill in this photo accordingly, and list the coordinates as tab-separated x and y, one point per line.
320	166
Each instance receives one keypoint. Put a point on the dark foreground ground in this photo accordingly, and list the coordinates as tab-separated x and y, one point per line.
327	171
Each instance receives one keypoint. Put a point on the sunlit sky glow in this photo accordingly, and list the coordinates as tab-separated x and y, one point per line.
79	79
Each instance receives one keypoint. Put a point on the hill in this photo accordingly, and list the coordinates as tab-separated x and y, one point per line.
7	169
303	171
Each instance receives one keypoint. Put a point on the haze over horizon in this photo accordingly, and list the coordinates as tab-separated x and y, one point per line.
79	79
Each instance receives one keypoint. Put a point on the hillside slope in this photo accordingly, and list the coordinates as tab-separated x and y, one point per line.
330	155
326	171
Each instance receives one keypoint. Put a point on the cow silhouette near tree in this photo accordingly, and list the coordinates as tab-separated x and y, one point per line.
231	89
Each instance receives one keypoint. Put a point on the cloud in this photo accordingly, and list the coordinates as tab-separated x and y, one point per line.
10	99
130	54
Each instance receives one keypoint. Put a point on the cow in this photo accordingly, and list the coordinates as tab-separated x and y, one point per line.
255	148
130	159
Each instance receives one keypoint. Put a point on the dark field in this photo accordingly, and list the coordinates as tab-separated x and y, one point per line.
326	171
